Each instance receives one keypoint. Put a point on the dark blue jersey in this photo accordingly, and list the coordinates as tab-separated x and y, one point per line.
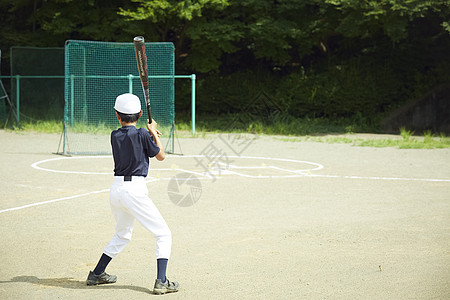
131	149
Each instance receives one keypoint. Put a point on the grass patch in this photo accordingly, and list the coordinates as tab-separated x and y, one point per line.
54	126
299	130
406	140
100	128
272	125
49	126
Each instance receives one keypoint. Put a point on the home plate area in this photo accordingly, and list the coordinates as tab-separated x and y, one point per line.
244	166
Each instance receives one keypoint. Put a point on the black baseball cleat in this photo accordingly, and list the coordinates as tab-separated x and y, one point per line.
166	287
100	279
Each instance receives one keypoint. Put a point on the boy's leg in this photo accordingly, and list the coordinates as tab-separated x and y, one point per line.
122	236
145	211
102	264
161	269
162	284
99	276
149	216
154	222
124	219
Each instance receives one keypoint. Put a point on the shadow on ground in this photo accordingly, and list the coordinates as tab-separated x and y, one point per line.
71	283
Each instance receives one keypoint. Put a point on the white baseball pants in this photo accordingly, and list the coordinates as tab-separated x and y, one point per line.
129	201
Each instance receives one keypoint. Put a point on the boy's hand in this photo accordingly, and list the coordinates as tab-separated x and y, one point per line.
152	128
155	134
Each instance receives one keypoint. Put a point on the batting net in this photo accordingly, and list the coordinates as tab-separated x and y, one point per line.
95	74
3	97
41	97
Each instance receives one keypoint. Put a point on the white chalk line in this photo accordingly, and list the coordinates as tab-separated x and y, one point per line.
63	198
36	165
221	168
380	178
216	171
53	201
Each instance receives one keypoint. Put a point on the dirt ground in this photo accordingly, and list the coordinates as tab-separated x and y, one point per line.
265	219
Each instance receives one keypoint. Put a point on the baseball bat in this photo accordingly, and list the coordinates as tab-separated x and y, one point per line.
141	58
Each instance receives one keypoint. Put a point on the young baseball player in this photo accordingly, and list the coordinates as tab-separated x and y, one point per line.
129	200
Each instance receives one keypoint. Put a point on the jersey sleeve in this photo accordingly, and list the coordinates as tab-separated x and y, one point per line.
150	148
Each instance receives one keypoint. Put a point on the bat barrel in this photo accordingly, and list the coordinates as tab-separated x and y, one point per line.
141	58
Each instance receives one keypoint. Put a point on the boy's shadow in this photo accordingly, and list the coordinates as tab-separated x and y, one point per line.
71	283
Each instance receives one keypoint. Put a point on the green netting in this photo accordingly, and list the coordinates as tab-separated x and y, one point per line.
3	100
95	74
2	96
40	98
3	115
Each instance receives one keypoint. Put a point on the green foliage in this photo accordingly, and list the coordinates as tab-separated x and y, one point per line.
357	88
209	41
446	26
187	20
406	134
280	125
353	88
303	129
365	18
315	59
410	143
56	126
80	20
161	10
425	142
41	126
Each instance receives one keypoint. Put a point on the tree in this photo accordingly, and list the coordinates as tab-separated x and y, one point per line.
364	18
178	21
315	41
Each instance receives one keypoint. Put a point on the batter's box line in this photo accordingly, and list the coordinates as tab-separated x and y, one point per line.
229	172
65	198
204	175
226	171
379	178
208	174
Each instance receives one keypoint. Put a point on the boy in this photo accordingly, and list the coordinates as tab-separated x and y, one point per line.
129	200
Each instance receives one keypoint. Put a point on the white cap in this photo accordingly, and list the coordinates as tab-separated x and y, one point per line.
128	104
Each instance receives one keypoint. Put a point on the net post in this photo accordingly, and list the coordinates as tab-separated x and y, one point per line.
83	86
72	93
193	77
18	98
130	83
65	138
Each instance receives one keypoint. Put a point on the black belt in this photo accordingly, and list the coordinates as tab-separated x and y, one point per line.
127	178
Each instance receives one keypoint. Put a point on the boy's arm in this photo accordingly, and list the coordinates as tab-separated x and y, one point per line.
155	134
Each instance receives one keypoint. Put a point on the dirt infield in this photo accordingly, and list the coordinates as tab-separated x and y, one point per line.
265	219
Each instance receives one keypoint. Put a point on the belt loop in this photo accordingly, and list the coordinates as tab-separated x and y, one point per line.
127	178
